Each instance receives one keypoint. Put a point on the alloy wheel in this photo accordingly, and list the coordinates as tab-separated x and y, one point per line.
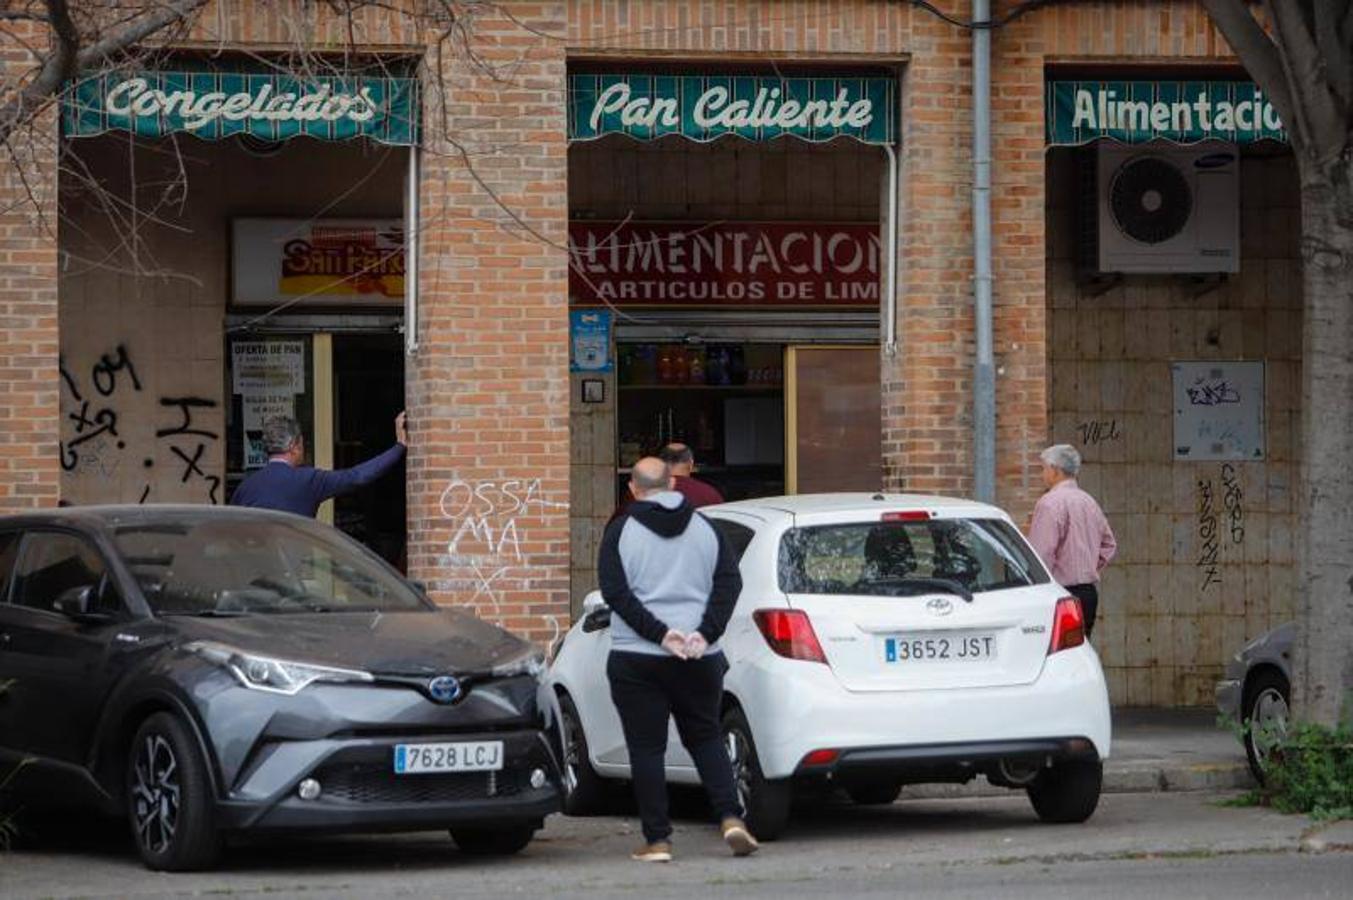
739	756
1269	722
572	753
155	792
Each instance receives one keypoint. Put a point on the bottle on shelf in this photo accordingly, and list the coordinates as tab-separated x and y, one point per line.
697	366
666	372
681	366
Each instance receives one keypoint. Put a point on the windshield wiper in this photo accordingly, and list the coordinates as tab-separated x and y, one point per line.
210	613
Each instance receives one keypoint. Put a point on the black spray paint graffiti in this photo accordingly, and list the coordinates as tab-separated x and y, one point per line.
1207	532
1099	431
191	463
96	444
88	449
1233	499
1213	392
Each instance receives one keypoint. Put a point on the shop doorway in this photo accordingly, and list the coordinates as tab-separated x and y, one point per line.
368	391
344	389
724	400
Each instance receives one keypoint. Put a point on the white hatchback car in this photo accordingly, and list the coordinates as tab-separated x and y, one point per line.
879	640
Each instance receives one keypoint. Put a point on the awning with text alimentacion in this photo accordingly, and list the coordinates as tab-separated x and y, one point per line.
708	107
269	106
1182	112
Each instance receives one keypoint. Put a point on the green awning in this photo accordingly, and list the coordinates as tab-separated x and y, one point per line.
219	104
708	107
1184	112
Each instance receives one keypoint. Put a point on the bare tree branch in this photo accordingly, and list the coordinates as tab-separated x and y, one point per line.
177	12
58	66
1260	56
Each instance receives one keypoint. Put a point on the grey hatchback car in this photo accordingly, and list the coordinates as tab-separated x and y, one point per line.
1256	691
204	671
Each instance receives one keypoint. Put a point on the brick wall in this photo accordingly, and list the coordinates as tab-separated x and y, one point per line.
489	485
28	327
488	389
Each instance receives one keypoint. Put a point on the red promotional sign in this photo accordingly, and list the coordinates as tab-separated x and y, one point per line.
728	264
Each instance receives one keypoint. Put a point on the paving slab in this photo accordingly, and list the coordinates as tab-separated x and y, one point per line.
1152	750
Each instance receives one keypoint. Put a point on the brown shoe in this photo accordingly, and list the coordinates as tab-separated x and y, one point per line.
656	852
737	837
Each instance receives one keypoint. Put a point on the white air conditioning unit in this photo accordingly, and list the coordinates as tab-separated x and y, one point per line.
1169	209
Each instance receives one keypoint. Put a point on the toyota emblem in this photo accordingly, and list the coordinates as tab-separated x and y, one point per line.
444	689
939	606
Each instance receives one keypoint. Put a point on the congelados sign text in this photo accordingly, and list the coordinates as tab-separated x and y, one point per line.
136	97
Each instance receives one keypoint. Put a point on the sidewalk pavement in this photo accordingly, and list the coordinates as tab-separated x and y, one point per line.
1152	750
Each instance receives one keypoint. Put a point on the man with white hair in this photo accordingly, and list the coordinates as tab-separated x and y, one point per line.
1069	530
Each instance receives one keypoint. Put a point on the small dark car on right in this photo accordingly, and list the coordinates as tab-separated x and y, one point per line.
1256	691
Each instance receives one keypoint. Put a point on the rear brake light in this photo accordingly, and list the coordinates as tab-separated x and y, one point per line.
909	515
1068	625
820	758
789	634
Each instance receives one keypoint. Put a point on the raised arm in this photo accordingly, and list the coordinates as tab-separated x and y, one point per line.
335	483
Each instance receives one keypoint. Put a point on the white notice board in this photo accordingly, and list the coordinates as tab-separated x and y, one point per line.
1218	410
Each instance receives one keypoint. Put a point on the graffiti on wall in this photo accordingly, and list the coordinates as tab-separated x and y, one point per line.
487	521
1209	548
1098	431
1218	527
95	406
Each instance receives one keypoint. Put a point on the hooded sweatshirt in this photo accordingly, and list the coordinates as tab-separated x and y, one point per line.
663	566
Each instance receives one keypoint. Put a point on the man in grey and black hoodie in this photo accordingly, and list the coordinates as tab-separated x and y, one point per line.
672	581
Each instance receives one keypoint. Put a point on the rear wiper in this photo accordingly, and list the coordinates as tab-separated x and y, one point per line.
944	584
947	585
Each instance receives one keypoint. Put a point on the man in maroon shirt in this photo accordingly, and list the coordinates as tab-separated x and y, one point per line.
681	461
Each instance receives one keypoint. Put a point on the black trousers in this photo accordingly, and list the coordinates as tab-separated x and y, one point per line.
1089	597
646	690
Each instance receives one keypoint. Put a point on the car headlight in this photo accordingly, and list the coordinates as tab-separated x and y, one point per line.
276	676
532	663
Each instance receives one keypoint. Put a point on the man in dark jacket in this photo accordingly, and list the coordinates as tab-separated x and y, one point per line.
672	581
682	462
284	484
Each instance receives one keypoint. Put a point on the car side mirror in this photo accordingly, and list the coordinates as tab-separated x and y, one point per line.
593	602
596	614
78	603
419	586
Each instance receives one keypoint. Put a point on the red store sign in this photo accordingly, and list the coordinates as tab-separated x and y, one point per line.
727	264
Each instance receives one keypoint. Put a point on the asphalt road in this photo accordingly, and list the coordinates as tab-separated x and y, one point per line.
1137	845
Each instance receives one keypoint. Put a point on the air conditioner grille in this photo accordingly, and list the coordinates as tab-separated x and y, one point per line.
1150	200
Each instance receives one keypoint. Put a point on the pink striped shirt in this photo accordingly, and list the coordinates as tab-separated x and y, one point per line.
1071	534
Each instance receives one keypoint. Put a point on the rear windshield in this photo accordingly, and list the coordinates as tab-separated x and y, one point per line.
898	559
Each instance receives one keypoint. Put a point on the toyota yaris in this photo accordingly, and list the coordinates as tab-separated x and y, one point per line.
206	671
878	641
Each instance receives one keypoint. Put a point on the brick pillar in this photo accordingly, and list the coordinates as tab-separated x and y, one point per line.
488	389
1019	249
29	365
927	387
